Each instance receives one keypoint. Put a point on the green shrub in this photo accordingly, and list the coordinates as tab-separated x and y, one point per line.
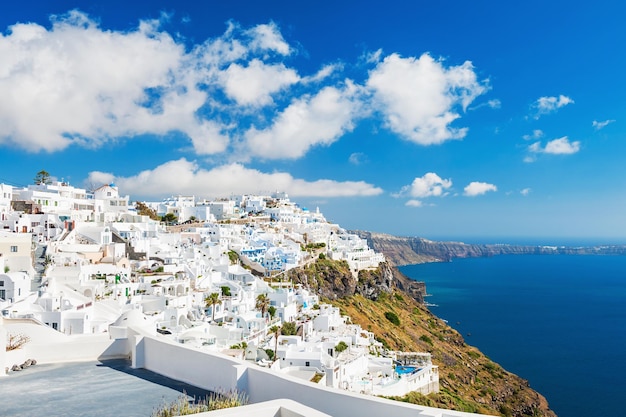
426	339
288	329
392	317
474	354
341	346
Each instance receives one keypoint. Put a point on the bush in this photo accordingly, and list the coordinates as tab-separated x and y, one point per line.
270	353
182	406
426	339
341	346
288	329
392	317
383	341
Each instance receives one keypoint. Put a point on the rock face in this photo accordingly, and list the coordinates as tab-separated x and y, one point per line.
413	250
469	380
333	279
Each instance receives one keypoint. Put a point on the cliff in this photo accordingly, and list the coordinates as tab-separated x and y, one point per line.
469	380
413	250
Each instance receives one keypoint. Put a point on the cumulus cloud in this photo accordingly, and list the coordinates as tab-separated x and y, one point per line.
600	125
561	146
75	83
255	83
309	121
268	37
185	177
546	105
476	188
420	97
429	185
525	191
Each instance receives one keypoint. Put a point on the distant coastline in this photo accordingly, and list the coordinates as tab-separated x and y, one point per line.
414	250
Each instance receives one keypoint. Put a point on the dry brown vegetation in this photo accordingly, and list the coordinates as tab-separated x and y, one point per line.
469	380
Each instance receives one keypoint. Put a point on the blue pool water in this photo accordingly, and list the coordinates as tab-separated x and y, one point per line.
400	370
558	321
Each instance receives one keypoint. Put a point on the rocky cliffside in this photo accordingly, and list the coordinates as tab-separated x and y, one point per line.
414	250
469	380
333	280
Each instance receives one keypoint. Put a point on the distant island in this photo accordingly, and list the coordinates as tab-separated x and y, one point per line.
414	250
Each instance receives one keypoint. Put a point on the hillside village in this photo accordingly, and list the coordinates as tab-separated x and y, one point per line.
206	274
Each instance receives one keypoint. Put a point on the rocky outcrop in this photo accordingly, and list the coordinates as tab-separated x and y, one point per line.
333	279
371	283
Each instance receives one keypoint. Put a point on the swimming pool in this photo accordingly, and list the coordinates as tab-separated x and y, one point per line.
403	370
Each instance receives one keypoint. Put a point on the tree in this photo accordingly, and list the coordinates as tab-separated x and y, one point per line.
169	218
211	301
42	177
289	329
262	303
275	330
271	310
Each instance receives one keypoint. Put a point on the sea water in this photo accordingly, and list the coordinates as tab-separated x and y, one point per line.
558	321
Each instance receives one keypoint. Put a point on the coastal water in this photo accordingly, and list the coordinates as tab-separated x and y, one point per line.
558	321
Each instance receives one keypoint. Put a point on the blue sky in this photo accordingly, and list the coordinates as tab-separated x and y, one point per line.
441	119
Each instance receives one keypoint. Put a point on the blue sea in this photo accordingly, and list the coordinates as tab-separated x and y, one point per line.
558	321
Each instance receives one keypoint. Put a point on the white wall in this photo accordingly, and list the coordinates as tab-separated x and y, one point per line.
213	371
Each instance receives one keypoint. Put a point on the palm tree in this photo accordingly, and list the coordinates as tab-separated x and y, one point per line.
262	303
275	330
211	301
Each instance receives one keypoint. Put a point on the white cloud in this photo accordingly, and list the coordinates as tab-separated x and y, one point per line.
600	125
414	203
537	133
429	185
76	83
419	96
268	37
185	177
525	191
357	158
561	146
308	121
546	105
492	104
254	84
477	188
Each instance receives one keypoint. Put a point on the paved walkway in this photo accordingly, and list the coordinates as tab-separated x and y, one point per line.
108	388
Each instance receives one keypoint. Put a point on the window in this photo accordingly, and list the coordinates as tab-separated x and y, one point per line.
2	294
14	249
307	363
1	283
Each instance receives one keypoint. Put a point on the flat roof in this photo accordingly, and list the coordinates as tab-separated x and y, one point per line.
100	388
